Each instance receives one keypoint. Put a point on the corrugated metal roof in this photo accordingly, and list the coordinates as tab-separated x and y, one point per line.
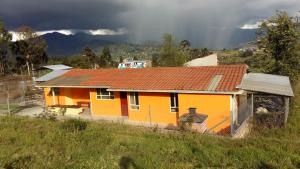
267	83
51	75
58	67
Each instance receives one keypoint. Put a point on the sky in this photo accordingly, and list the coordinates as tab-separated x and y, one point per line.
143	19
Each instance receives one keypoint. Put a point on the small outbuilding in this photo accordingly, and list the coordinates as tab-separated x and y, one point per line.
269	96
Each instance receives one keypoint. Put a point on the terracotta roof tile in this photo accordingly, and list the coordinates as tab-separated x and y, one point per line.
164	78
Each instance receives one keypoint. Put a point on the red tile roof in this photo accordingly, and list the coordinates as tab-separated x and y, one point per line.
164	78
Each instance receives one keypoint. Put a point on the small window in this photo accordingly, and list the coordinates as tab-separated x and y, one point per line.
103	94
174	102
134	100
55	91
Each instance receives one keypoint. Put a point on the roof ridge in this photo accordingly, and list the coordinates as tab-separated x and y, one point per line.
169	67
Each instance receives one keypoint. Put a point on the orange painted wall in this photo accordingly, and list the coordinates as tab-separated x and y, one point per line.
80	95
76	94
106	107
154	107
217	107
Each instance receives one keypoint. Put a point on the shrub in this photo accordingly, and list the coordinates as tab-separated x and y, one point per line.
47	115
74	125
19	162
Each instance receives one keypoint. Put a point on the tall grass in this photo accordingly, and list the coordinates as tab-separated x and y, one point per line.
37	143
40	143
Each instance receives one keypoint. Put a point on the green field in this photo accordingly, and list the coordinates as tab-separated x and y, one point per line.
38	143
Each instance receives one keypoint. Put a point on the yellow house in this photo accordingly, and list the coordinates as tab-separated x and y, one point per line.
153	95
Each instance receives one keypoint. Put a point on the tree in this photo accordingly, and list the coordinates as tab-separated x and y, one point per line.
185	44
205	52
5	38
190	53
91	56
170	54
278	38
154	61
76	61
261	62
31	47
120	59
105	58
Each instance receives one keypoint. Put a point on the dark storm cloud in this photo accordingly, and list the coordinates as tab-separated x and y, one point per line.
211	22
63	14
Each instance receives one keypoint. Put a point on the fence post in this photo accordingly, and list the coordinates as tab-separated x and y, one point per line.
7	99
286	111
252	105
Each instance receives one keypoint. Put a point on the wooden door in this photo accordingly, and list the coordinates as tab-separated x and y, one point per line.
124	103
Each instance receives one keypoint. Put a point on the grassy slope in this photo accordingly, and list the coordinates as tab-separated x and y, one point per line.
34	143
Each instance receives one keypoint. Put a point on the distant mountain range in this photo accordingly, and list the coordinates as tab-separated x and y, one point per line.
65	45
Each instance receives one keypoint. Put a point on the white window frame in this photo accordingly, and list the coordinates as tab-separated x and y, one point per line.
134	106
175	108
101	96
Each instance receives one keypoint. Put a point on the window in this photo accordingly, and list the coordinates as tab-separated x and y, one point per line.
134	100
174	102
103	94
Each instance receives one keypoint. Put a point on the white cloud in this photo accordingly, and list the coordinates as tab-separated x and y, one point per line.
251	26
63	31
120	31
15	36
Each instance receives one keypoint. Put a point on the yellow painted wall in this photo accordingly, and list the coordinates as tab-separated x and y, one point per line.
156	105
59	100
217	107
48	97
106	107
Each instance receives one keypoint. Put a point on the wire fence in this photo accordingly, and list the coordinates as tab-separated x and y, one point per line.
17	92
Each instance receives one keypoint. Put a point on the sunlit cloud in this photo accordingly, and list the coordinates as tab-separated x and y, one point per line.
63	31
251	26
120	31
15	36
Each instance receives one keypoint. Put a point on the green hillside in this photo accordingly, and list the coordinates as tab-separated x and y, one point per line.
38	143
